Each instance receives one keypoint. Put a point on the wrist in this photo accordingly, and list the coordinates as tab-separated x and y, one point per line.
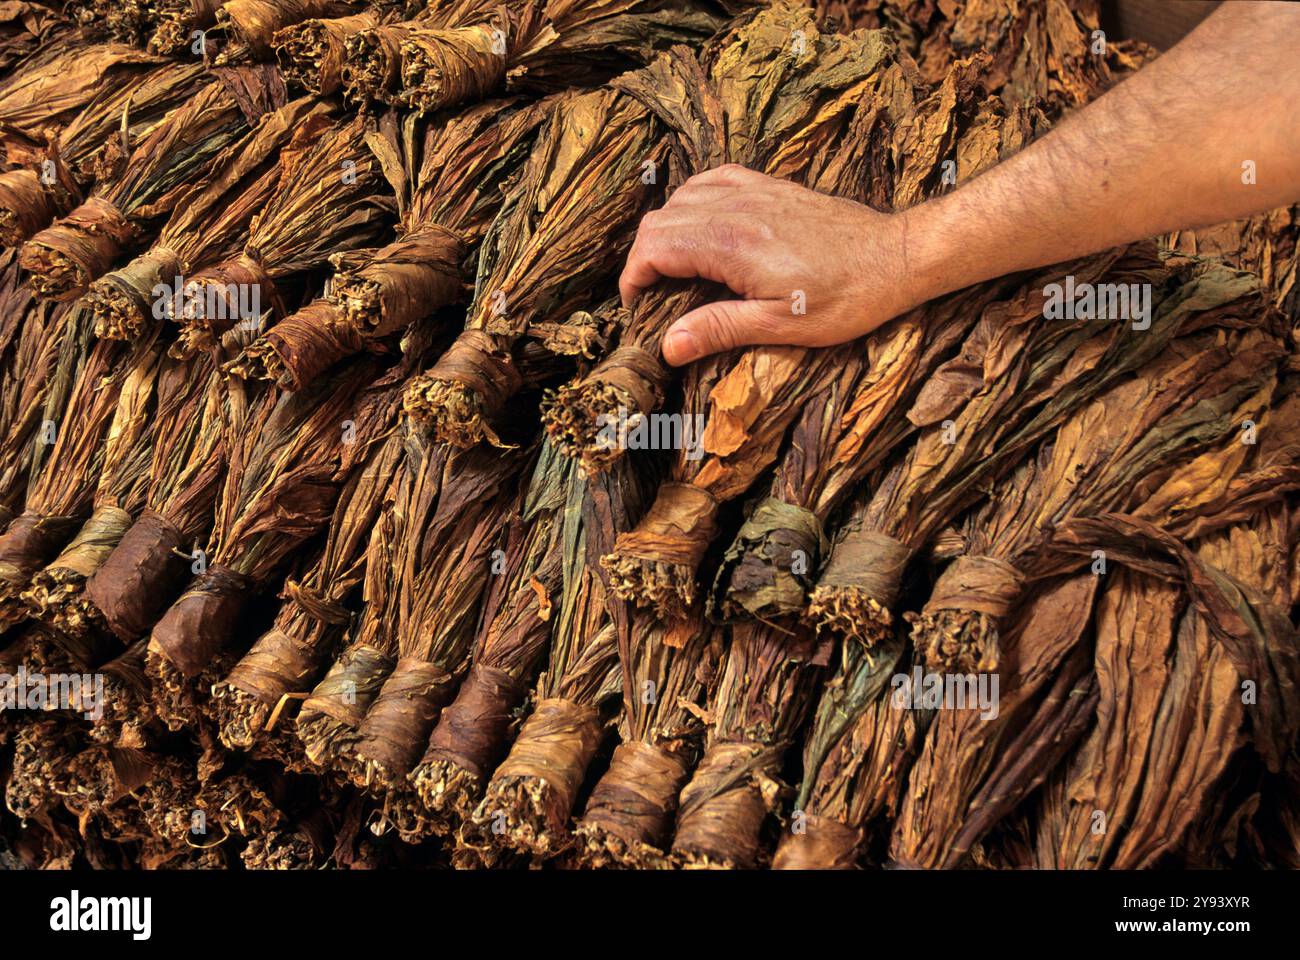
939	255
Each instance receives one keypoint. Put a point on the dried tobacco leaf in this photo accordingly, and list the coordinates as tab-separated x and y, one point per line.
284	473
255	22
206	227
1014	379
1196	393
56	176
287	658
119	496
63	481
440	172
473	731
311	53
547	47
528	802
668	674
63	259
767	102
32	334
766	690
562	229
327	198
444	572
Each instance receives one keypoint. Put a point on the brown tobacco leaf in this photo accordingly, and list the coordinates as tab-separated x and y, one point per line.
562	229
765	692
439	172
1151	782
209	225
339	700
668	673
287	659
530	797
51	88
119	496
255	22
285	470
1193	396
63	259
969	775
444	572
769	103
62	484
542	47
57	175
31	340
472	733
1014	379
328	198
311	53
752	397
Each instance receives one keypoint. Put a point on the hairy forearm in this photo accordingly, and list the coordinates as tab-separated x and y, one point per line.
1165	150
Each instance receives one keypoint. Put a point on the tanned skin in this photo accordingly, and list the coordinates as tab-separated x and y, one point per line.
1162	151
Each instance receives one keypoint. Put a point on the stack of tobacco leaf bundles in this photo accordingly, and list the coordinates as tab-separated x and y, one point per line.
348	520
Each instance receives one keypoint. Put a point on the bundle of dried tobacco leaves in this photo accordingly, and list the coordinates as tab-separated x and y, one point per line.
989	588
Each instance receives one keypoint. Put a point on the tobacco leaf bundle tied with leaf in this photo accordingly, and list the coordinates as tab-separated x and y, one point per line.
56	175
445	569
561	231
329	197
207	227
530	798
473	732
65	258
444	175
1196	393
285	471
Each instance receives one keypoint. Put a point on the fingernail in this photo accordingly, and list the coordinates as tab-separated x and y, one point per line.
680	347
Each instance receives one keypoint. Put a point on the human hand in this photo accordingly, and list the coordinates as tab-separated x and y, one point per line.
812	270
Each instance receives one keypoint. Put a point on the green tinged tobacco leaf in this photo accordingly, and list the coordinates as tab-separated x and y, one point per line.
286	659
329	197
563	228
857	754
64	258
339	701
473	731
531	795
445	175
119	496
206	227
1014	379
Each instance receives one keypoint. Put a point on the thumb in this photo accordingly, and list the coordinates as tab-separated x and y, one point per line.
720	326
